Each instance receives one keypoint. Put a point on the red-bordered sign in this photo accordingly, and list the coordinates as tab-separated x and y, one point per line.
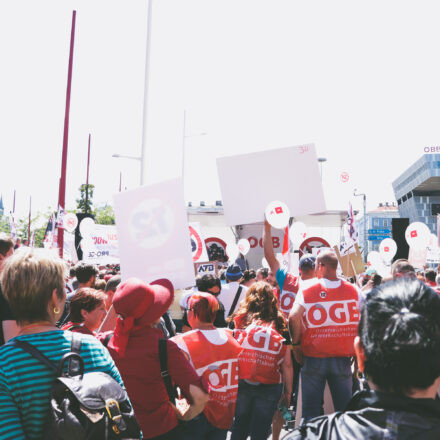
216	248
310	243
198	241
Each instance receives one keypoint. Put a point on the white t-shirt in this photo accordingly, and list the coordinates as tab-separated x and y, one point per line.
227	295
324	283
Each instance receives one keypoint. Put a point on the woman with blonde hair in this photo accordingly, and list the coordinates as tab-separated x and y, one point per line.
264	364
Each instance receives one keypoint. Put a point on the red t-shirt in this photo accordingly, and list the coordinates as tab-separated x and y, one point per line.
140	371
77	327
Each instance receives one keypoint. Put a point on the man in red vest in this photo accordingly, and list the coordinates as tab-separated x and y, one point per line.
329	311
214	355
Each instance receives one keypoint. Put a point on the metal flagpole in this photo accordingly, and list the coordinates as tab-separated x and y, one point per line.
62	188
29	224
87	178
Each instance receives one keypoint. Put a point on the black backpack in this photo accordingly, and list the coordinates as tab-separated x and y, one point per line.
84	405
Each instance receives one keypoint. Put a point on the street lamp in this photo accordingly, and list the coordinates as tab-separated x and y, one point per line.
320	160
139	158
184	137
365	220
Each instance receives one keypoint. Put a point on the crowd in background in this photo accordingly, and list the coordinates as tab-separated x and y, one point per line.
247	352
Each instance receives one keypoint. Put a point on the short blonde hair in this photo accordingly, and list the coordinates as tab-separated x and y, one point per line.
28	279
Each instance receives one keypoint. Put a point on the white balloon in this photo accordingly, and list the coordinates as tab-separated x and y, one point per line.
417	235
374	259
277	214
86	226
387	249
265	263
298	233
70	222
243	246
232	251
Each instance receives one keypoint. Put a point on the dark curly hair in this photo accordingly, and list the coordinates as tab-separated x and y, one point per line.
400	333
261	304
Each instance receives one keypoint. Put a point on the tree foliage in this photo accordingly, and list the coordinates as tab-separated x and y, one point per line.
85	202
105	215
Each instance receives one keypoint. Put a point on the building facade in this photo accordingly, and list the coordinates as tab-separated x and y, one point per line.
417	191
377	225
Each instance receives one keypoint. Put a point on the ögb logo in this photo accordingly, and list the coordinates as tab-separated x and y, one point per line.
221	375
413	233
262	339
386	249
332	313
286	301
323	294
151	223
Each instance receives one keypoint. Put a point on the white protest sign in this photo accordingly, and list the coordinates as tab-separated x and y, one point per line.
288	174
198	247
100	245
417	235
387	249
153	234
70	222
243	246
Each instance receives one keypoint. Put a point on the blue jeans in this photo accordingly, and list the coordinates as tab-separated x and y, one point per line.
254	410
314	374
200	429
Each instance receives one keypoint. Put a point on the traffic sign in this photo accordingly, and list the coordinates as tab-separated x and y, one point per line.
377	237
310	243
379	231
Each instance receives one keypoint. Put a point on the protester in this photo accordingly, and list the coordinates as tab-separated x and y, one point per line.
110	289
135	348
85	274
430	278
214	355
87	311
402	268
232	292
210	284
262	274
287	282
8	327
248	278
33	283
398	350
329	310
264	365
100	285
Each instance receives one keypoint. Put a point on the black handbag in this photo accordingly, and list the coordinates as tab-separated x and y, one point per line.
84	405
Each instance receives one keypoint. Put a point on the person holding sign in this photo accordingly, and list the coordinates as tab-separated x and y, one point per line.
214	355
329	311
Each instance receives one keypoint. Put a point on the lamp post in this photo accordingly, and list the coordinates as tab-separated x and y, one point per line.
321	160
365	221
184	137
139	158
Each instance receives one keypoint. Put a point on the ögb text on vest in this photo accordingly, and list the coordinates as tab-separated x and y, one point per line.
331	313
222	376
286	301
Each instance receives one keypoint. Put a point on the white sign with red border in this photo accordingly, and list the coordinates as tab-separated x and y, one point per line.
198	248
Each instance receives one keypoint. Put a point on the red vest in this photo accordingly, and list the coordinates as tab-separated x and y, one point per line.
218	364
287	297
331	320
262	355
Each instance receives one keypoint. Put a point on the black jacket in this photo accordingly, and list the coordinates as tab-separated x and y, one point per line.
376	415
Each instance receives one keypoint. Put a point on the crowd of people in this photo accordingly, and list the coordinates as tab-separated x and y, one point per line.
249	355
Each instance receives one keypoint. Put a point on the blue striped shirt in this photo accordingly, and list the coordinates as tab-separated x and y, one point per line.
25	382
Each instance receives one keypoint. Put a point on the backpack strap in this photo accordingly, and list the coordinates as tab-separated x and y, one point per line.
34	352
234	304
163	359
73	367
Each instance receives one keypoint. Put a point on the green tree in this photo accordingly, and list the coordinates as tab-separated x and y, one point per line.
105	215
85	203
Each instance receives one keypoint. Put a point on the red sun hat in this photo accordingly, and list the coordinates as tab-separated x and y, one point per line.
138	305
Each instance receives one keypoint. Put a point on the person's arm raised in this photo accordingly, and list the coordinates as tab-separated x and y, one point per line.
269	254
